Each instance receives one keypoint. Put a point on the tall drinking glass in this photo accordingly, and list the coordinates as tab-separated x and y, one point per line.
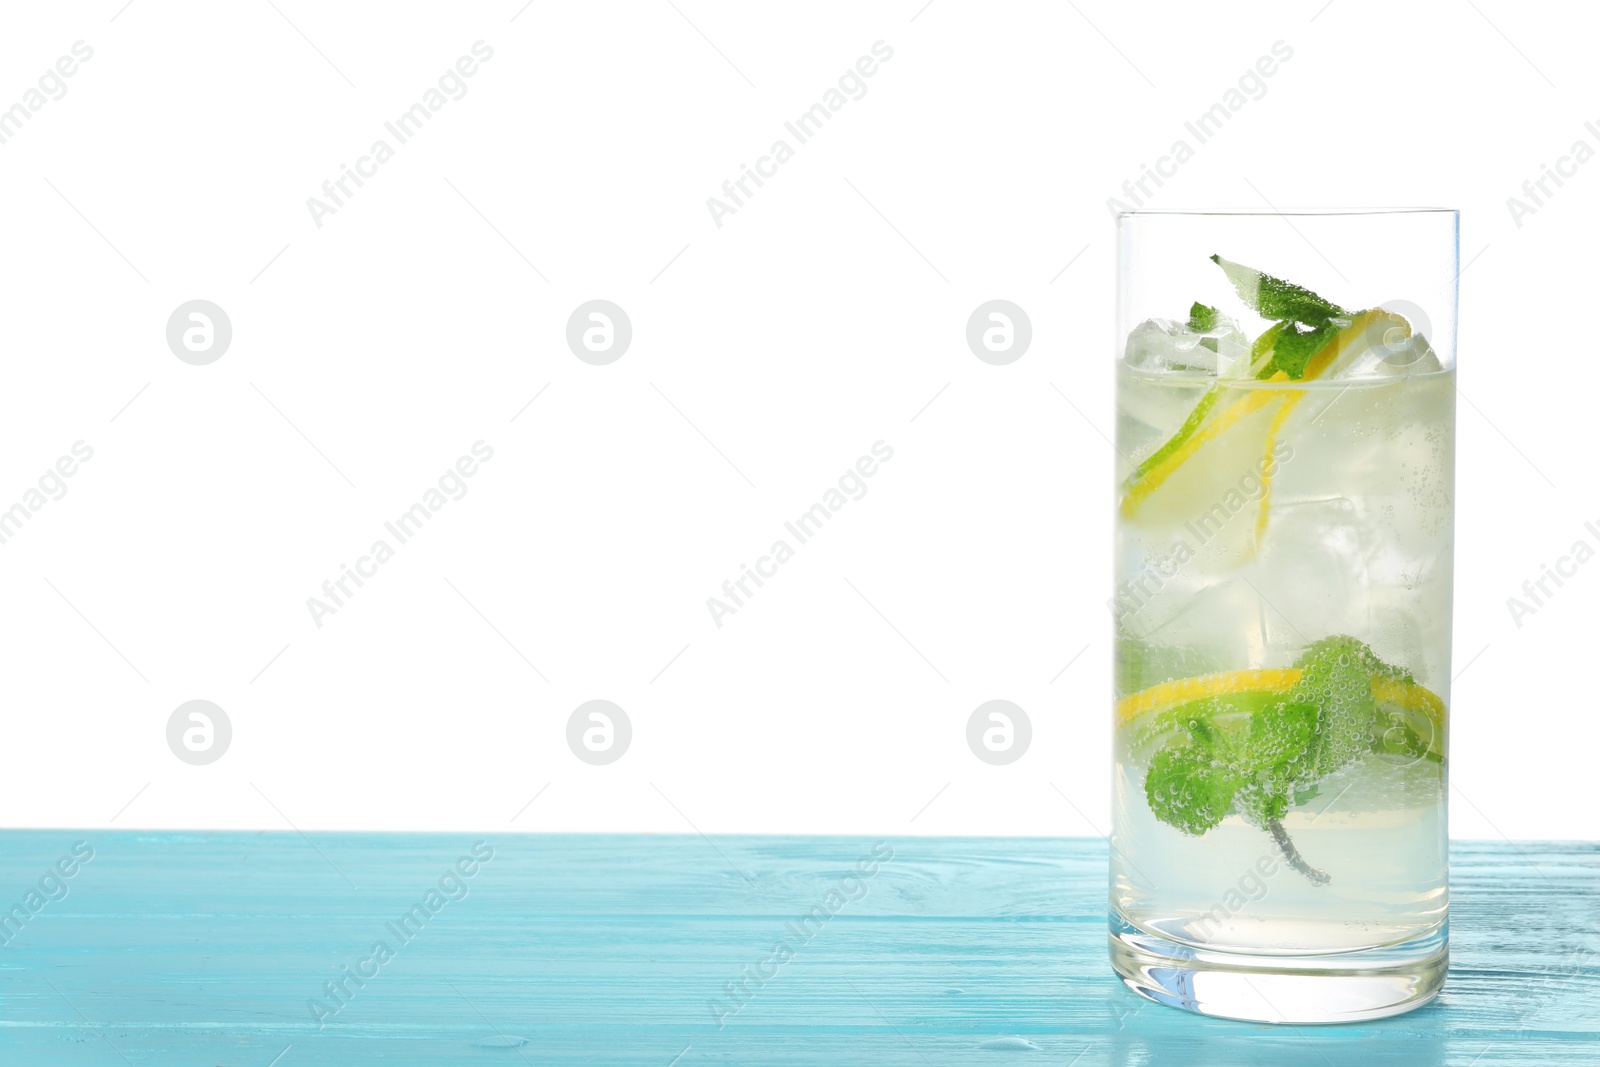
1286	440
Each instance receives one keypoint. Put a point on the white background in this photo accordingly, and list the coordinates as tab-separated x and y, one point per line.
768	354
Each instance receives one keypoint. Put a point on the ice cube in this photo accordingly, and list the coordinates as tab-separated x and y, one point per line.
1313	571
1215	619
1166	345
1413	355
1393	356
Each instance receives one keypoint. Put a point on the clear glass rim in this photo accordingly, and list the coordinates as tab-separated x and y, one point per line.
1294	211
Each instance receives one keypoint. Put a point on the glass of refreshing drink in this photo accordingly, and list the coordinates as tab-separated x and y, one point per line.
1284	514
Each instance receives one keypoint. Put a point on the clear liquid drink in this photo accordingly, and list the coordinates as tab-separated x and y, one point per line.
1281	609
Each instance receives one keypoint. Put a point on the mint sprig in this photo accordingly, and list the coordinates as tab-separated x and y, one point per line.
1202	318
1212	765
1305	322
1296	343
1190	788
1274	298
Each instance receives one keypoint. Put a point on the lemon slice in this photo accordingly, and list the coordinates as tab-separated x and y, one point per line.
1347	344
1401	703
1169	695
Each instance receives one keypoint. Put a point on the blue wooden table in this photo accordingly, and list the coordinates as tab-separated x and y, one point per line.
258	949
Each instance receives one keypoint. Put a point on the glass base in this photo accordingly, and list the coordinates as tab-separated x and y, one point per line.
1336	988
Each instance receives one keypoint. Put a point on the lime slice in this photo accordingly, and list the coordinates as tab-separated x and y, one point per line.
1376	326
1214	417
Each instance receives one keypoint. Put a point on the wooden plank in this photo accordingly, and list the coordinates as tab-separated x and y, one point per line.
171	949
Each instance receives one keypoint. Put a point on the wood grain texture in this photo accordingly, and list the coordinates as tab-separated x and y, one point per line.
190	948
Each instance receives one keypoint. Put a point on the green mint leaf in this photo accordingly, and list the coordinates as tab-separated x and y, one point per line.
1399	739
1260	755
1265	800
1201	319
1294	345
1274	298
1261	351
1276	762
1306	322
1336	677
1340	646
1280	735
1213	723
1189	789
